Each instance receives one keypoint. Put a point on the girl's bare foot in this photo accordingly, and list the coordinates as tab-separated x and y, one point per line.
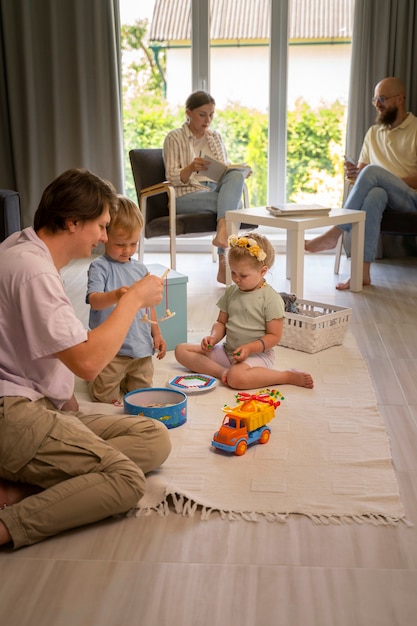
327	241
224	378
300	379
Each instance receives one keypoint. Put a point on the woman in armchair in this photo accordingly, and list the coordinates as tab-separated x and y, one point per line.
185	168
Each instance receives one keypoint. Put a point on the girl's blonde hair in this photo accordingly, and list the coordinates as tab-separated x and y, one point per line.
252	246
125	215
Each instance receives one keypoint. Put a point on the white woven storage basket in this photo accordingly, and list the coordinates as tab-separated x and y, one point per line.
316	327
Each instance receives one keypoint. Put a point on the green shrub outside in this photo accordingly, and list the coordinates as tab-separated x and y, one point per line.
315	137
314	142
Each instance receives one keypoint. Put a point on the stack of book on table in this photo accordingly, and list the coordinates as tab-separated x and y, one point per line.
302	210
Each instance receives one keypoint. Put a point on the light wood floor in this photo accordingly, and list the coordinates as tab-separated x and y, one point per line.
184	572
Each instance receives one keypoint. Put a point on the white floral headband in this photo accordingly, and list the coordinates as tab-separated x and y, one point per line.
249	244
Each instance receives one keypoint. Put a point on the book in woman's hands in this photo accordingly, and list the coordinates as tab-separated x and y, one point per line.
215	170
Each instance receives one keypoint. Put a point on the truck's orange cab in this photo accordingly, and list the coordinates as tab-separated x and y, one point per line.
231	429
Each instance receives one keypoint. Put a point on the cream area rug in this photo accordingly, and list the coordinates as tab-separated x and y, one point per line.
328	457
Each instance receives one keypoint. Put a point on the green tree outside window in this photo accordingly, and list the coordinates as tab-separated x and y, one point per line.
314	142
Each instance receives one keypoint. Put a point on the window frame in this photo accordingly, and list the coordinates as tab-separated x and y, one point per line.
278	71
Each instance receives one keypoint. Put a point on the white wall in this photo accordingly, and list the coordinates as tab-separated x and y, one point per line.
317	73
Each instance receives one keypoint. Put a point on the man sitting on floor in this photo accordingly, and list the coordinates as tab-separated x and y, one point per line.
61	468
385	175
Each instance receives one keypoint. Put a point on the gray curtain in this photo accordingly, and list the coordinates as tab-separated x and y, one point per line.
384	43
60	96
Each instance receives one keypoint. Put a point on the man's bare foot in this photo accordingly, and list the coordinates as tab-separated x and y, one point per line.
71	405
327	241
12	493
300	379
346	284
5	536
366	280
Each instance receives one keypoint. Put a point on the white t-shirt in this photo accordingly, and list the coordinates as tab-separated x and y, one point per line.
37	320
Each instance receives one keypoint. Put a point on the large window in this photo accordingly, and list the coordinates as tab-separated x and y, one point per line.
279	72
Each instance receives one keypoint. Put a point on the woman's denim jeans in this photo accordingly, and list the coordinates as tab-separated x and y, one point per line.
374	190
226	195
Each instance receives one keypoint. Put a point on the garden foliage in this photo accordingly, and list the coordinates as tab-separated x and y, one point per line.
315	137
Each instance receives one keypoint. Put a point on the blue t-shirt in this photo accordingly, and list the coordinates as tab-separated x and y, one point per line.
105	274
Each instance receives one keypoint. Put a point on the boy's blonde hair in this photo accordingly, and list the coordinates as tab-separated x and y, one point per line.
125	216
252	246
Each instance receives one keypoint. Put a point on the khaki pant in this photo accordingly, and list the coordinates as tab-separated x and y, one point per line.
121	375
89	466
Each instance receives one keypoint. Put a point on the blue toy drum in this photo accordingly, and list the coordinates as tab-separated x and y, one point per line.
165	405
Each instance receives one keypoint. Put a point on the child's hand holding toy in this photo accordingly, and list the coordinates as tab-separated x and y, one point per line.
207	343
241	353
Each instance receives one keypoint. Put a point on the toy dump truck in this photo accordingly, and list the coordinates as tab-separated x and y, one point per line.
247	422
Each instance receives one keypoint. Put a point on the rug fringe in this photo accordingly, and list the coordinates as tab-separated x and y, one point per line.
187	507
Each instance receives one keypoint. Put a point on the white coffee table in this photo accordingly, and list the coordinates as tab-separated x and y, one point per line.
296	227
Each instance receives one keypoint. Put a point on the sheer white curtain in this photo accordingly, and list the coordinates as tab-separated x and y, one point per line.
60	99
384	44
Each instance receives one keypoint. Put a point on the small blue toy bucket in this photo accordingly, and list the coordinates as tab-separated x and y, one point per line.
165	405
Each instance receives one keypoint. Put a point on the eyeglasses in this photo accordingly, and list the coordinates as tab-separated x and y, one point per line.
383	99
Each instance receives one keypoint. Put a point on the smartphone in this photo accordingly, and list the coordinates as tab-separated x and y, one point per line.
349	159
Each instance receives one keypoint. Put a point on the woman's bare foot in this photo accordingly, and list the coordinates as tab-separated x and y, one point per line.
327	241
220	240
300	379
219	243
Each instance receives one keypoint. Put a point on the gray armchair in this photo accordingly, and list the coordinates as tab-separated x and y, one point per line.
156	198
9	213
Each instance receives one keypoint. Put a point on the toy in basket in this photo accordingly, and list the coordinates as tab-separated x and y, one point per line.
247	422
315	327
